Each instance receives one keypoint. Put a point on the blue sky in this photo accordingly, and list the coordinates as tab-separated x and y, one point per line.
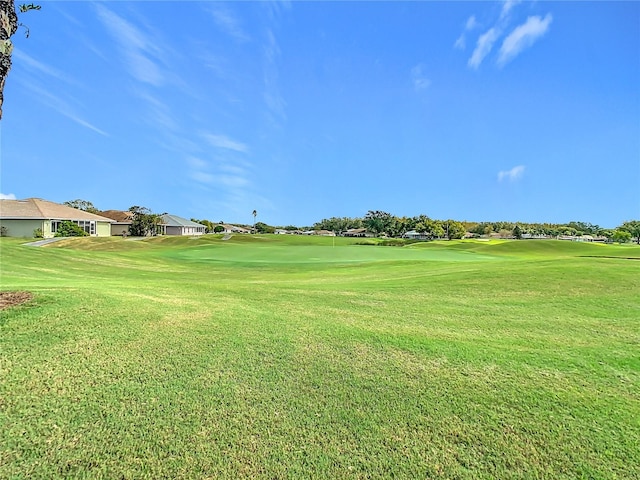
480	111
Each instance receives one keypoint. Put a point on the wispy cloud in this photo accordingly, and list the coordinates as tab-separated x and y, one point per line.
512	175
461	42
228	22
523	36
507	6
197	163
32	64
135	45
159	114
277	8
273	98
63	107
222	141
419	78
227	176
483	47
7	196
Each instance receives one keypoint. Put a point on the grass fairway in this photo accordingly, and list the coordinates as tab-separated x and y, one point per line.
299	357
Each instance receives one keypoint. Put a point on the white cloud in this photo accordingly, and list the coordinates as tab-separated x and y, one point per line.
233	169
31	63
7	196
63	107
228	22
483	47
231	182
273	99
461	42
222	141
203	177
419	78
523	37
197	163
512	175
135	45
507	6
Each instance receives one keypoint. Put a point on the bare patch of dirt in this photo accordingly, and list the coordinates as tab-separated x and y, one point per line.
10	299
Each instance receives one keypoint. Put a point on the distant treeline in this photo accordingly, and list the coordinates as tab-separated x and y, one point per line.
381	223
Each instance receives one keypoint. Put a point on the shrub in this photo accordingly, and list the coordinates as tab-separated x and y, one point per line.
37	233
367	242
70	229
3	231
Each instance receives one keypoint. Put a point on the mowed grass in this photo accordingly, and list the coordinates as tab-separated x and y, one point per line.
298	357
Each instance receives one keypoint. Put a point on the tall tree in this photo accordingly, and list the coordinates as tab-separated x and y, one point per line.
517	232
8	26
338	224
453	229
621	236
633	227
144	223
261	227
377	222
255	214
84	205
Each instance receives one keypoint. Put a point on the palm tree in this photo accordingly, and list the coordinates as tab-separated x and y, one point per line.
255	214
8	26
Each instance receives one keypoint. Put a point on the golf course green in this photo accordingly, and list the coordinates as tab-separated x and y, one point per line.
282	356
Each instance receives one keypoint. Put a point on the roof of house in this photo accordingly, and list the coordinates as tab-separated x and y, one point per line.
118	215
176	221
38	209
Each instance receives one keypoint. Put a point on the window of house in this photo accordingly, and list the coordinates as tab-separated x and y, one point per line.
88	226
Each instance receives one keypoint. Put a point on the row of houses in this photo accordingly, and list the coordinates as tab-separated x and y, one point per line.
21	218
353	232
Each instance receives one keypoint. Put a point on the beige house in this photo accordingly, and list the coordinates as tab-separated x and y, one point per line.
122	220
20	218
233	229
357	232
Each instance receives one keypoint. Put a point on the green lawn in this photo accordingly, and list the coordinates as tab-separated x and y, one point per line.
303	357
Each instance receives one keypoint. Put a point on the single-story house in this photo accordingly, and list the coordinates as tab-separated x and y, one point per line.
122	221
20	218
325	233
357	232
227	228
175	225
534	236
413	235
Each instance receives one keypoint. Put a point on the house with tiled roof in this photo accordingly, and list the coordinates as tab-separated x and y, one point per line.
175	225
122	220
21	218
